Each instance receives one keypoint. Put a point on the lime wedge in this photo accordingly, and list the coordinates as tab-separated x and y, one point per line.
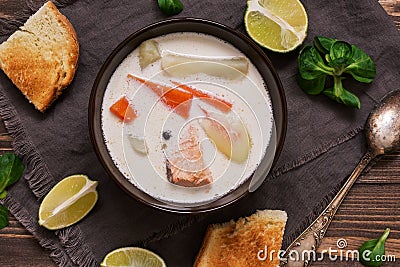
132	257
68	202
280	26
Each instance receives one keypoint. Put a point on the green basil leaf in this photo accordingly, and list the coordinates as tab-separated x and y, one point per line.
341	95
170	7
339	64
330	92
323	44
332	57
312	87
371	251
340	49
11	169
340	56
3	217
311	64
363	67
328	59
350	99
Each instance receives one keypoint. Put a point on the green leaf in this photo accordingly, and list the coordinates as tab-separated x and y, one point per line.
323	44
170	7
340	56
311	64
328	58
3	217
3	194
312	87
340	49
339	64
330	92
350	99
11	169
333	57
371	251
363	67
341	95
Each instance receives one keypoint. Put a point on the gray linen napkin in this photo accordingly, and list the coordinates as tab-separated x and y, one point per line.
324	140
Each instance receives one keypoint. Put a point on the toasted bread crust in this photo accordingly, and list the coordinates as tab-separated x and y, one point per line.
237	244
73	47
41	58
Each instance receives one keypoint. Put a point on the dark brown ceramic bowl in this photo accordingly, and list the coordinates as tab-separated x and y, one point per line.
237	39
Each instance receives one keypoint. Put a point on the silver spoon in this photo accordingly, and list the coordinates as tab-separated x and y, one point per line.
382	130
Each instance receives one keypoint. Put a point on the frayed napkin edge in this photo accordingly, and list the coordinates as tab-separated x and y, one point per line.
57	254
314	153
40	182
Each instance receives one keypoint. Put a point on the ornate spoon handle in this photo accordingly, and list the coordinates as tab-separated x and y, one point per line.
300	252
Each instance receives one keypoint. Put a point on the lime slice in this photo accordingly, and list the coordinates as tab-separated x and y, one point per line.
278	25
68	202
132	256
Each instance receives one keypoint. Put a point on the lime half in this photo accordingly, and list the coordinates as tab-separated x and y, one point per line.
68	202
280	26
132	257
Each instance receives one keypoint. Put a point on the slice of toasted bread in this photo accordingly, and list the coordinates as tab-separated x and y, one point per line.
41	57
251	241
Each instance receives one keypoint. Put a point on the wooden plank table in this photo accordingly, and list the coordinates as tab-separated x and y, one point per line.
372	204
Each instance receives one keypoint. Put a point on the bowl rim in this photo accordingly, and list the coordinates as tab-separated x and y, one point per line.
96	97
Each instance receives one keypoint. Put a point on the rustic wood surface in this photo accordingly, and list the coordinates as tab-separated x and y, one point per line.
372	205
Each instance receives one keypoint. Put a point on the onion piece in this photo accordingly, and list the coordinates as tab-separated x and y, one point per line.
228	133
138	144
148	53
180	65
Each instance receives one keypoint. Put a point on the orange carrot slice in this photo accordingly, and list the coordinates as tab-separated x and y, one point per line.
217	102
178	100
123	110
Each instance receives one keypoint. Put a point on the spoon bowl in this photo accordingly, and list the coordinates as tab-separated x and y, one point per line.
382	130
383	126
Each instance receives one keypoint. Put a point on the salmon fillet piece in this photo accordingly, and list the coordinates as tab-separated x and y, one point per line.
185	167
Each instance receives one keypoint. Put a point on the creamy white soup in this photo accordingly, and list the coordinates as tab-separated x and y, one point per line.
160	131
